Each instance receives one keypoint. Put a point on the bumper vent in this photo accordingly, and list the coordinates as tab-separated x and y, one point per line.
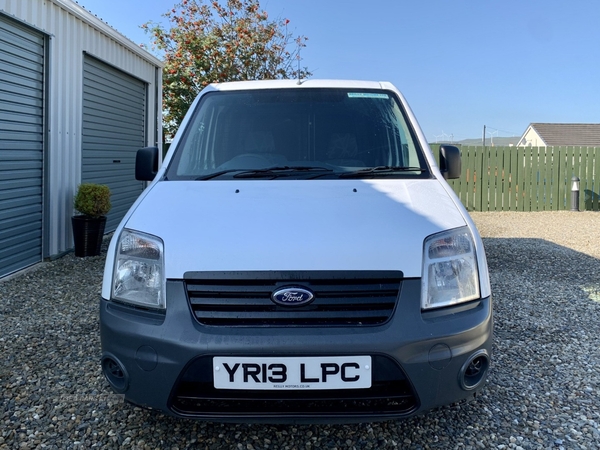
344	298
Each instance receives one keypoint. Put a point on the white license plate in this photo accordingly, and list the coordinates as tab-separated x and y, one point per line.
293	373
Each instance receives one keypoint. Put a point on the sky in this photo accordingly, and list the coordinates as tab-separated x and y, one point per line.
461	64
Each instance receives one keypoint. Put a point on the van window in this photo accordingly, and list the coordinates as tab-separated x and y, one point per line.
336	132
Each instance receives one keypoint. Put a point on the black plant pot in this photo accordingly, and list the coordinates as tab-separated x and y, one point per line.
87	234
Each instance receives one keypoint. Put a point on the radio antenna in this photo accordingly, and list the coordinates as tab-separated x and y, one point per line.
298	58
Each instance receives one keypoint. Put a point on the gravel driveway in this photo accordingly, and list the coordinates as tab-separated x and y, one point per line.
543	391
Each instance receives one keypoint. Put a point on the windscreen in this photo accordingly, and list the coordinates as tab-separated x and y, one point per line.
298	134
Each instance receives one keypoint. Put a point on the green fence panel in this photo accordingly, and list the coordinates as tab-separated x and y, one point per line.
546	180
538	181
571	155
504	177
468	170
594	191
549	181
586	194
527	158
512	176
561	176
490	179
527	178
506	184
554	157
520	181
477	179
486	188
579	169
584	175
532	180
498	176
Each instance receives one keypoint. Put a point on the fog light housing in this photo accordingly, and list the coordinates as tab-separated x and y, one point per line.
474	370
115	374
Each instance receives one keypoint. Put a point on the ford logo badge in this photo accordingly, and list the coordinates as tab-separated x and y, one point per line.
292	296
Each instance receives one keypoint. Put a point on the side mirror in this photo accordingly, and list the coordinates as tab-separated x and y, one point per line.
146	163
450	165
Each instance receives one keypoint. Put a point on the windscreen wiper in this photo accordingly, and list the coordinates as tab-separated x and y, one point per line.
383	170
280	171
218	174
269	172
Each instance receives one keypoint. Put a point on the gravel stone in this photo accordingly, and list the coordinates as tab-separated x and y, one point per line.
543	391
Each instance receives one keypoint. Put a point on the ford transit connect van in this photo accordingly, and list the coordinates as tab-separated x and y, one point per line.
297	257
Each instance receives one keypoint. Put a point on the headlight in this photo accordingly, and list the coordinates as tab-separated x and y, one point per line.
450	272
139	270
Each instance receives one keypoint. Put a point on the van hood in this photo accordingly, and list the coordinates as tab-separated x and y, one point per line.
277	225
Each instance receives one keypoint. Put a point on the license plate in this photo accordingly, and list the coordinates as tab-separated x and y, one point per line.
292	373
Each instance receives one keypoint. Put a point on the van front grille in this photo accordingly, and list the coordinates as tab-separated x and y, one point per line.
341	298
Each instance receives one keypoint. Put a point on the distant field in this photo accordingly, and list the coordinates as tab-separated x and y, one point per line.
498	141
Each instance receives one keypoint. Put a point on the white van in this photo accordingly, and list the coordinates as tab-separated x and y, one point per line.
298	257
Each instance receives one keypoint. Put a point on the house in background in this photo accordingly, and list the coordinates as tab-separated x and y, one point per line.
77	100
561	134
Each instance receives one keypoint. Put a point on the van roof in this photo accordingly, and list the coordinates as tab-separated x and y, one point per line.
279	84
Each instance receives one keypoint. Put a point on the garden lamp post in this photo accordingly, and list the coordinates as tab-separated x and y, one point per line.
575	193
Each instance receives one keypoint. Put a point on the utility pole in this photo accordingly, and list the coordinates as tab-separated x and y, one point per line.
483	137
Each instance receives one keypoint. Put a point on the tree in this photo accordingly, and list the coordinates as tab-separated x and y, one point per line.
216	41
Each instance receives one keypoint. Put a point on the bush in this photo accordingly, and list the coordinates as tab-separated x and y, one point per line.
92	200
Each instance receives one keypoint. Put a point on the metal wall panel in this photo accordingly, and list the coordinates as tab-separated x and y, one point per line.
114	105
72	32
22	55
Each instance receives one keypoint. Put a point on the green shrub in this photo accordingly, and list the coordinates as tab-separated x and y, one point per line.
92	199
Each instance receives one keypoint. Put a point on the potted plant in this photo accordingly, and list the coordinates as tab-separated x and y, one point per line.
92	201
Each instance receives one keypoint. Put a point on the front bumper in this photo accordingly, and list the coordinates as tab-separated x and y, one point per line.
420	361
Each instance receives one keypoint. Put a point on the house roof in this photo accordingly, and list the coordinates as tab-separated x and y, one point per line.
581	134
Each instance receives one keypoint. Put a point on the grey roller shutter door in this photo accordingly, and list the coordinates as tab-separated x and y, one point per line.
22	57
114	106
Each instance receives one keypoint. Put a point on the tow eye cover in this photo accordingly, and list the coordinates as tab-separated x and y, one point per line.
292	296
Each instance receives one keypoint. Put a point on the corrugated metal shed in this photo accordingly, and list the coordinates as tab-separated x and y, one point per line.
113	131
71	33
22	58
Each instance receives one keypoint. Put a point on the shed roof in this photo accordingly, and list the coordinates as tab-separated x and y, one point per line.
97	23
556	134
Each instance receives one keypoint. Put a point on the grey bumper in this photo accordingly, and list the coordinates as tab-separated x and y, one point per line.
434	351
